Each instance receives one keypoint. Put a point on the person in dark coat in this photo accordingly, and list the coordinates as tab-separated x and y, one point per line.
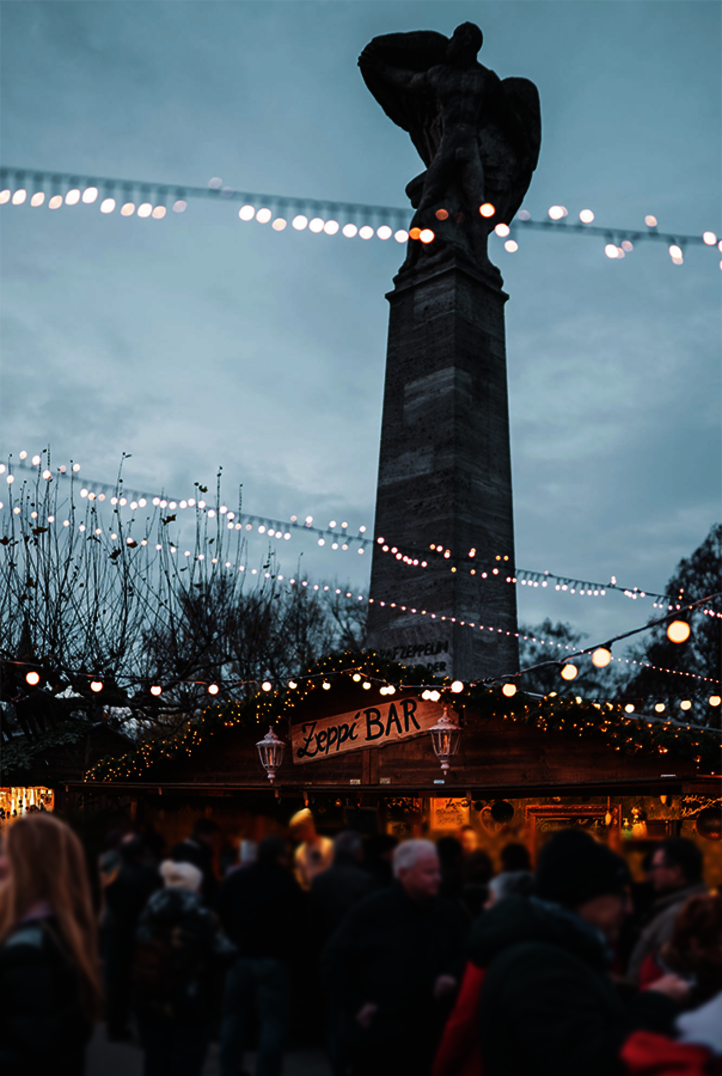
676	873
334	893
49	968
180	952
394	965
547	960
199	849
263	910
125	895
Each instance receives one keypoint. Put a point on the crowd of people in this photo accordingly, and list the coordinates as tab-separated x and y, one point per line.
420	958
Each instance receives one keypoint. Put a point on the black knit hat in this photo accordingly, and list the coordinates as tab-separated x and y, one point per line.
574	868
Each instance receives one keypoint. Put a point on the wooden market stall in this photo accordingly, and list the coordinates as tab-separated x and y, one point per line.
360	756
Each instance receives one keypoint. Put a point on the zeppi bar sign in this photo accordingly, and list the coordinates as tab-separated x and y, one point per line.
376	726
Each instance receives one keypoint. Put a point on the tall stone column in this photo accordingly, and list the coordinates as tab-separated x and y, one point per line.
445	477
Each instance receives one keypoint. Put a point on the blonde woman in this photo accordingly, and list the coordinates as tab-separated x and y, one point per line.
49	974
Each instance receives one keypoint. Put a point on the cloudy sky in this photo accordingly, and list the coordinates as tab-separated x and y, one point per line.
200	340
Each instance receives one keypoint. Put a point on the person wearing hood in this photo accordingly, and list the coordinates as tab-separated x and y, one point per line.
180	950
547	963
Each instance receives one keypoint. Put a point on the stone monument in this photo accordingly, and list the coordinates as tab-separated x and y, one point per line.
445	464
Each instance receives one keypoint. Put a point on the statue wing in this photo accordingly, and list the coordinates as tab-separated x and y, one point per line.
417	113
510	146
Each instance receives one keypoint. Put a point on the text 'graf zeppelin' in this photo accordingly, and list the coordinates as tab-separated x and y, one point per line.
375	726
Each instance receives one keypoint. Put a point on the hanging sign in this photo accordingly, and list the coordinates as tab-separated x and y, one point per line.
375	726
449	813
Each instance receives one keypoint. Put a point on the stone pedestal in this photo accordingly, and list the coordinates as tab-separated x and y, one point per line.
445	477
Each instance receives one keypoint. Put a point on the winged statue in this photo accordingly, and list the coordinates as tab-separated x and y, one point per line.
477	134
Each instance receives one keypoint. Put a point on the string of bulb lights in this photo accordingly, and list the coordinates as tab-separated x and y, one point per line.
524	576
601	655
148	200
335	536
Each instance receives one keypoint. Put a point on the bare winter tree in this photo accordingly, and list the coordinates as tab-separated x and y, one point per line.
90	597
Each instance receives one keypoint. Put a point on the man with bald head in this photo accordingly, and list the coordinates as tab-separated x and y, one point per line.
394	965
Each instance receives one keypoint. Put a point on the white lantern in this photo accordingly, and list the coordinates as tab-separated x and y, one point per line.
270	750
445	736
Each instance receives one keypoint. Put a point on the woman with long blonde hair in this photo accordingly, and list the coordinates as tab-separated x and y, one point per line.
49	973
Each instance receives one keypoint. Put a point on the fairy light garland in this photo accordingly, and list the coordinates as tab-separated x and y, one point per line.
26	186
625	732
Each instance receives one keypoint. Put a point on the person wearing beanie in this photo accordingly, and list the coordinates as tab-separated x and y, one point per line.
547	1002
179	954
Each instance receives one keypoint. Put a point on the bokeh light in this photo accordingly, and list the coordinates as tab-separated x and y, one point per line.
441	214
180	205
511	246
366	232
401	236
685	704
651	221
4	196
349	230
158	213
487	209
145	209
32	678
89	195
55	202
557	212
107	205
569	671
502	230
601	657
19	196
299	222
127	209
38	198
709	238
96	686
156	690
611	250
509	690
72	197
427	236
279	224
331	227
316	225
586	216
678	631
384	232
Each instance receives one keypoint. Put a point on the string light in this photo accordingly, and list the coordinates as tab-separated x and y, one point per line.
156	690
568	671
509	690
624	239
601	657
32	678
678	631
96	686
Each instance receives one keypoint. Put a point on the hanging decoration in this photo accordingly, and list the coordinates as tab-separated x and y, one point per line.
34	188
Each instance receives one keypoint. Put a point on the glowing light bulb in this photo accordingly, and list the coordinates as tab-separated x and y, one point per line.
685	704
568	672
629	709
213	689
384	232
611	250
326	686
586	216
32	678
180	205
502	230
401	236
266	685
349	230
675	251
35	461
426	235
72	197
714	700
107	205
660	707
678	631
366	685
292	684
55	202
509	690
511	246
299	222
5	196
356	677
158	213
331	227
156	690
651	221
442	214
38	198
457	686
145	209
89	195
96	686
316	225
127	209
19	196
709	238
279	224
487	209
557	212
366	232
